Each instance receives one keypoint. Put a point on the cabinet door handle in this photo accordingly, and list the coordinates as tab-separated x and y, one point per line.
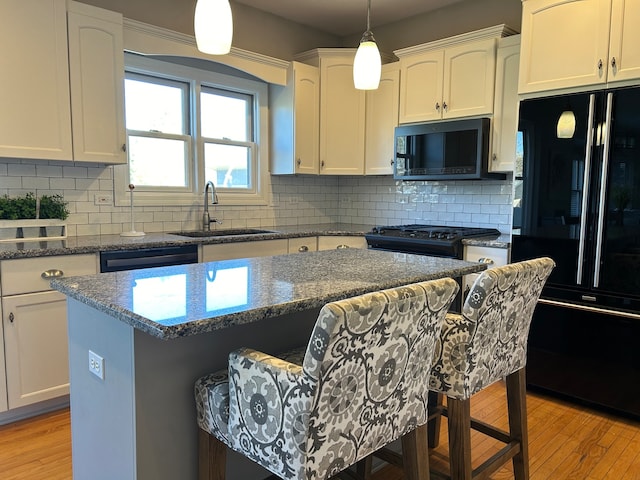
600	64
437	106
487	260
299	162
445	106
53	273
303	248
392	162
322	164
613	62
124	147
11	317
494	157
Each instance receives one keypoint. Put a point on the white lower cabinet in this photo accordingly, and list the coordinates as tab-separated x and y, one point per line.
36	349
303	244
341	241
492	256
34	321
258	248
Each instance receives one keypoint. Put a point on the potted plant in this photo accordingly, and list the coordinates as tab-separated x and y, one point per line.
29	217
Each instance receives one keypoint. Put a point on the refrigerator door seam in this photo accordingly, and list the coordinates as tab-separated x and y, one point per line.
586	308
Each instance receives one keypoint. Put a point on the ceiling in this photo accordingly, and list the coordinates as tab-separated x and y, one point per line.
345	17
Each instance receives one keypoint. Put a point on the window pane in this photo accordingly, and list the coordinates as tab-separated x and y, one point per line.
157	162
227	165
155	107
225	116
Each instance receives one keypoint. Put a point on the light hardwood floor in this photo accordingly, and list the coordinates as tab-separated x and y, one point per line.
565	442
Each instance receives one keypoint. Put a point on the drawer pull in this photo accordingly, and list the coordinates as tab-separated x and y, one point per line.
486	260
11	317
303	248
53	273
340	247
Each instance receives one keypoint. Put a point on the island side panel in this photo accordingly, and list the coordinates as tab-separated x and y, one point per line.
165	373
102	411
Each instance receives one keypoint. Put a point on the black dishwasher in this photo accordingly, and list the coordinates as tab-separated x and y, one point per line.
118	260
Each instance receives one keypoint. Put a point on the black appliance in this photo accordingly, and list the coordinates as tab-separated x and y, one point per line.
118	260
578	201
454	150
432	240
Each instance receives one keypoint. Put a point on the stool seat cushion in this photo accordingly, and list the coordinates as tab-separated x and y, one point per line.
212	398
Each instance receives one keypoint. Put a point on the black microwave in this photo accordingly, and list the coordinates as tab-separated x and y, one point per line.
452	150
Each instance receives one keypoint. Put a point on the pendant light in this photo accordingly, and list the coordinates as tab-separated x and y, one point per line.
213	26
367	64
566	126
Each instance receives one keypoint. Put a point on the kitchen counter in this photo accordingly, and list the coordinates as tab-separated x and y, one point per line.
184	300
134	418
98	243
101	243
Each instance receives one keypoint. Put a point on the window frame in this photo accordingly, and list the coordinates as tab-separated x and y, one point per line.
196	78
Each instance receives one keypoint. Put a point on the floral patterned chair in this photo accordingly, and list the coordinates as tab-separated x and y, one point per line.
487	343
360	384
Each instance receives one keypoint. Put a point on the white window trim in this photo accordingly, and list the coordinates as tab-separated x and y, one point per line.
262	193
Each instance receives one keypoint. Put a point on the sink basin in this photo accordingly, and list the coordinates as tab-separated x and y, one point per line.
222	233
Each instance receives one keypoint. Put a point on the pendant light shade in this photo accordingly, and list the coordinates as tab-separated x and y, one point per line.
367	65
566	124
213	26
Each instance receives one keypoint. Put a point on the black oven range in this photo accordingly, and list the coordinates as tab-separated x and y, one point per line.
435	240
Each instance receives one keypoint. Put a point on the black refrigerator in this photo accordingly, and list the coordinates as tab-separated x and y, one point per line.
577	200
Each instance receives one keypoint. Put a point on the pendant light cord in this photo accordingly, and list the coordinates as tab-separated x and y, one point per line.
368	15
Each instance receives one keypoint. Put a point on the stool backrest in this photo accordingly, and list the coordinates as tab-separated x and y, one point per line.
369	360
489	340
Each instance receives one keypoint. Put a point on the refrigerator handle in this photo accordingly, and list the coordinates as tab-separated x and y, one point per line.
603	190
585	189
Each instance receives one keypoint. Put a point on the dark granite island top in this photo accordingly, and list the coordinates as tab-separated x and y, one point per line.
153	332
191	299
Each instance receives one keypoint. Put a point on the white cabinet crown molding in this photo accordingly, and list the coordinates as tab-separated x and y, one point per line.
149	39
496	31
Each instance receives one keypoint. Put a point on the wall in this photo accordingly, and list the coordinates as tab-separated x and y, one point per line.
297	200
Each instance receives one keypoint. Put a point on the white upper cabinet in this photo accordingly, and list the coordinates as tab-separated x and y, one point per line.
450	78
295	121
577	43
381	121
96	68
624	39
342	116
49	76
35	117
505	109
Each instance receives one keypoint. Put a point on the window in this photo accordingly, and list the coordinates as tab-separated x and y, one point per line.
186	126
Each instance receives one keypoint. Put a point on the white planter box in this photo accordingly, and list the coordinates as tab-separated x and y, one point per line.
25	230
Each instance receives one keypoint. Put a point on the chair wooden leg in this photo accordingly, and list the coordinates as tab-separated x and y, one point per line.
363	468
517	409
212	457
459	412
435	406
415	458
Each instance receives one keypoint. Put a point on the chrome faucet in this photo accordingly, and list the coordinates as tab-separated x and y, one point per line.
206	219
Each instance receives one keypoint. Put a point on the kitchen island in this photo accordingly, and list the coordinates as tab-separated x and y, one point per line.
139	339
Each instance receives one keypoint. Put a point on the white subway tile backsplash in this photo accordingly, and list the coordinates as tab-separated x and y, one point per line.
296	200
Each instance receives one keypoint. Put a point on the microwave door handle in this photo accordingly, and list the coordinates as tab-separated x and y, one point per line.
585	189
603	192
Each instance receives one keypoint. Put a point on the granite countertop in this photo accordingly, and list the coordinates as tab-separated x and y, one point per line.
503	241
101	243
172	302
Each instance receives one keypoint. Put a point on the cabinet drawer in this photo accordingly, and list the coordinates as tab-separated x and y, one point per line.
260	248
304	244
493	257
341	241
25	275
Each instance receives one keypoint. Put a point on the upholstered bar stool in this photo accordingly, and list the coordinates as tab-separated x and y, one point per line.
487	343
359	384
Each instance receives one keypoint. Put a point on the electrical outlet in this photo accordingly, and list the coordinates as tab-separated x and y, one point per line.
96	365
102	199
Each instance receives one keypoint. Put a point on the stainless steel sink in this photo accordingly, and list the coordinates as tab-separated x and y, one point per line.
222	233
